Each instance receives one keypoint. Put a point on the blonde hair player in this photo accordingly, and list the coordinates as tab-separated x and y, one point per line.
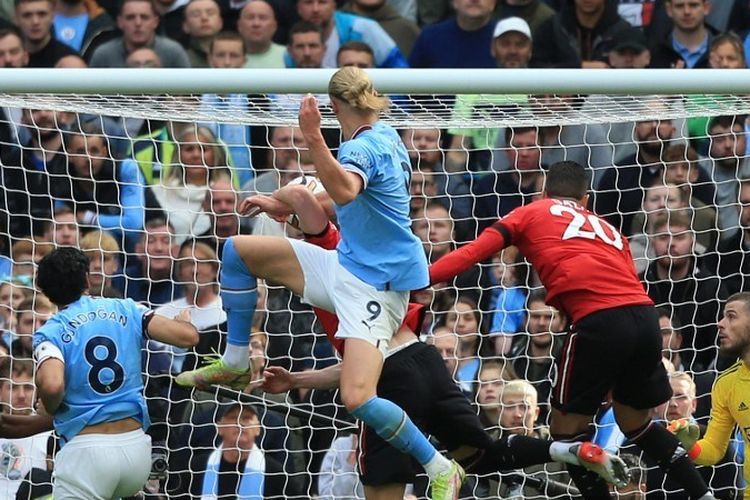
366	281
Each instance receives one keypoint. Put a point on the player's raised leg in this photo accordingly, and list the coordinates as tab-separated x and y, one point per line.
244	260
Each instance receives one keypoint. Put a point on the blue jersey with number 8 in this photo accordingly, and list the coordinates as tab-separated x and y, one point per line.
100	341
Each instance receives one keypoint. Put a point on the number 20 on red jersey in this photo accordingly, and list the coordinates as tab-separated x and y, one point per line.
585	225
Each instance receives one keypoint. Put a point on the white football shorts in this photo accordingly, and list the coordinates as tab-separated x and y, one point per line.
364	312
102	466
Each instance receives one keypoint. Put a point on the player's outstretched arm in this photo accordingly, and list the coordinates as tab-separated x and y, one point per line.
178	332
277	379
21	426
456	262
343	186
313	218
50	383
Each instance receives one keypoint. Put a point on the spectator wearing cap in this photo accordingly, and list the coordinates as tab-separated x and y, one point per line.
511	43
629	50
585	27
512	48
236	467
534	12
463	41
687	44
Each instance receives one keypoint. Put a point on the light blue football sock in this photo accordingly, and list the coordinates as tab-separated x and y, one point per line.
239	295
393	425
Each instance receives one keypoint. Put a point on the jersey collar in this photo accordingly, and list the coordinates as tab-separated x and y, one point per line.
361	130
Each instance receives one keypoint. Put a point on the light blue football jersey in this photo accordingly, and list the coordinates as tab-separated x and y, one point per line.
101	341
377	244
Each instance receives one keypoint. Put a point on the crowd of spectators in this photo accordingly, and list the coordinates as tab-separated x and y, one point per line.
152	203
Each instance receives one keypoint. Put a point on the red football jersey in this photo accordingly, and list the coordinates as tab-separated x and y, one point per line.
583	261
328	240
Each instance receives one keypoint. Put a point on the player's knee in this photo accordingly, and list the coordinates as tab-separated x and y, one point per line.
629	419
231	259
354	396
235	277
563	429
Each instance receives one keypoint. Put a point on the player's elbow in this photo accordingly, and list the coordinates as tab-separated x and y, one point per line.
346	188
343	195
50	377
50	386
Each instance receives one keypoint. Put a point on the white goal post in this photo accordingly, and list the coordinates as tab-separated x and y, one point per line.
121	90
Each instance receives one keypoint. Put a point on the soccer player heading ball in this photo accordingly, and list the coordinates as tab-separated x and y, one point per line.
415	377
614	343
366	281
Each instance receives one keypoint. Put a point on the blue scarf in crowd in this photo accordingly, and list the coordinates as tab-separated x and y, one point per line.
251	479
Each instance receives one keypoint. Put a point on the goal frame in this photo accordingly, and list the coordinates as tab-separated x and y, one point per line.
412	81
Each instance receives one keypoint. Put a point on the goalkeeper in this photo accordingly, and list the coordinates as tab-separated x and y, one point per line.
415	378
730	396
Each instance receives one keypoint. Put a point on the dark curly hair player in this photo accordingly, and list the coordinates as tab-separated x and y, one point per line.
63	275
89	379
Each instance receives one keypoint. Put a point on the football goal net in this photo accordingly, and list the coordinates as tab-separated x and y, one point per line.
144	171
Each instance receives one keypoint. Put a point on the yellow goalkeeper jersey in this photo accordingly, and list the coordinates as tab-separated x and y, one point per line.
730	406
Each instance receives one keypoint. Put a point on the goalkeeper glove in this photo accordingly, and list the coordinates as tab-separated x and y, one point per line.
688	433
